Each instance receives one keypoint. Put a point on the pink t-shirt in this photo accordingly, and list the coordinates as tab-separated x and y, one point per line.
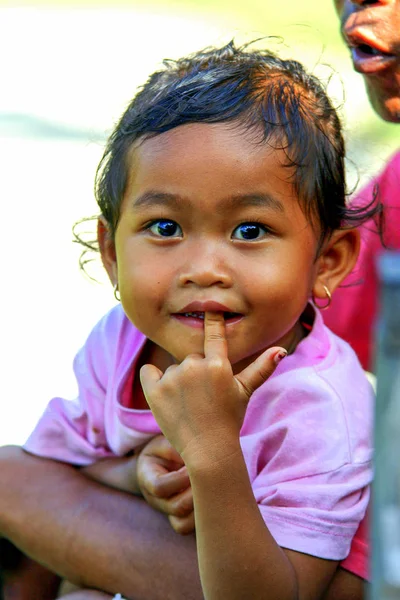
352	314
305	438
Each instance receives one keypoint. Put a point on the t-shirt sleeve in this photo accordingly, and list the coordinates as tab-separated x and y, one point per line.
311	466
73	431
317	514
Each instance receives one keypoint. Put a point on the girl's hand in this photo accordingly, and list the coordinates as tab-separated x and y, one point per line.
118	472
164	483
199	404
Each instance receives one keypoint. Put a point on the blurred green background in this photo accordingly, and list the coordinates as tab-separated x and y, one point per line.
67	71
309	31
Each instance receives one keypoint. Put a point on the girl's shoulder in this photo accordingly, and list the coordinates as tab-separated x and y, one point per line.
324	377
323	353
112	341
114	328
317	406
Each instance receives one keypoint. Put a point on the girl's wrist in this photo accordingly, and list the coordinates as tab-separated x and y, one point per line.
211	457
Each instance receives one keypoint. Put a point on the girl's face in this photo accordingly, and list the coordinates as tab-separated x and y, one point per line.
210	221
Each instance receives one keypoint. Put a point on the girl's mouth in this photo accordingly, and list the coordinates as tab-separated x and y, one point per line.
196	318
200	315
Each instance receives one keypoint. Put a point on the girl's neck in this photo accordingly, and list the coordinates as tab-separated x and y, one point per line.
157	356
298	334
154	355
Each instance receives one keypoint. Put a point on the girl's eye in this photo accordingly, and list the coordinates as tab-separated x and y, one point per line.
249	231
165	228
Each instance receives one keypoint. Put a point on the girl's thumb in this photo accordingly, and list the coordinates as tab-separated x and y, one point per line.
149	377
260	370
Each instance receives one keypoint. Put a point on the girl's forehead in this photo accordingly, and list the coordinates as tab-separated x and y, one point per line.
196	135
208	148
216	165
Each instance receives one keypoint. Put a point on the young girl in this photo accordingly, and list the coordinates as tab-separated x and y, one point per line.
223	227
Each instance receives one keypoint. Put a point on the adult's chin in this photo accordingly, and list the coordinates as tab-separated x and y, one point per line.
385	102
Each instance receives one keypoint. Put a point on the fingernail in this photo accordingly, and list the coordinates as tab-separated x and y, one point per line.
279	356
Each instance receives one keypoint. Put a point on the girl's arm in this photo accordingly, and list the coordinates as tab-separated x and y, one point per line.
118	473
238	557
95	536
156	473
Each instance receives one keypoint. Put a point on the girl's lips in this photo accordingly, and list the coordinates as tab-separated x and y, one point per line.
205	305
369	61
197	320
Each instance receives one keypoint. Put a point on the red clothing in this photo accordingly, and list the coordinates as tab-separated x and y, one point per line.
352	314
357	561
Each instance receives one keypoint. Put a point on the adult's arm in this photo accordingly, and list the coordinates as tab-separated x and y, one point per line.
92	535
24	578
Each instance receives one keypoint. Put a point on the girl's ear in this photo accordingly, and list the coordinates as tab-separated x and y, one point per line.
336	260
107	249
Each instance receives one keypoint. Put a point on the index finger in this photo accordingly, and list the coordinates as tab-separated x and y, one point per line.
215	343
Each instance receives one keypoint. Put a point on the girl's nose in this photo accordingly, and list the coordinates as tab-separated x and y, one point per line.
205	268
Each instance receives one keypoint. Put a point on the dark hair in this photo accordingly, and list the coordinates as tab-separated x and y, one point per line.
259	91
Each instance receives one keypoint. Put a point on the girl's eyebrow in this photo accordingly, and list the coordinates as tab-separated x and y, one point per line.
154	198
262	200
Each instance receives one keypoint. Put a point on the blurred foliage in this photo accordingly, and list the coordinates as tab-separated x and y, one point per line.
253	14
307	30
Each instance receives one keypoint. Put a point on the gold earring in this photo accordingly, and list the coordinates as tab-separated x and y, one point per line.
328	296
116	293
